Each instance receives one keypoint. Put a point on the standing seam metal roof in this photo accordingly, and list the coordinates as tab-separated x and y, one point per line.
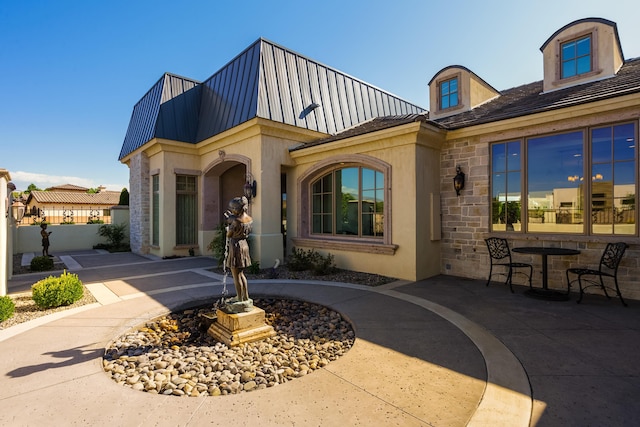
267	81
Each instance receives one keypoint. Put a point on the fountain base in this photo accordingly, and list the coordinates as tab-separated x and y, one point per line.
238	328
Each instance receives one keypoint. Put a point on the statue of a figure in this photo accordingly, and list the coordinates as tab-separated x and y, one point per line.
45	240
238	258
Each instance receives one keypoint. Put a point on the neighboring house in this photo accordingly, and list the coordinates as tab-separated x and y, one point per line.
368	177
68	204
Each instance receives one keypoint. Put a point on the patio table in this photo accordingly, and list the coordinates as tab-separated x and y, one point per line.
544	252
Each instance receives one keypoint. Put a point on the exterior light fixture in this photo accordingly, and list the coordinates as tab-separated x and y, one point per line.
458	180
250	187
18	209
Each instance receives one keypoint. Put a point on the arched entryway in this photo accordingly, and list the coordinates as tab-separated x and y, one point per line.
221	182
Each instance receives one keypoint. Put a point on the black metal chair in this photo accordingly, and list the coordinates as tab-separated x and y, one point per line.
609	263
500	254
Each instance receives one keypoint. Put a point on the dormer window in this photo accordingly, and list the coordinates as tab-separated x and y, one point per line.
456	89
449	93
576	57
581	52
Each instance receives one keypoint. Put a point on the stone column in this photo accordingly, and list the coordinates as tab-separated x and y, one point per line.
139	204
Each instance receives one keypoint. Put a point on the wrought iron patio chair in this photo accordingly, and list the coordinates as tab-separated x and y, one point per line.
608	267
500	255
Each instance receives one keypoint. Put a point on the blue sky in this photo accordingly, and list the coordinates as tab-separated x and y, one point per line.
71	71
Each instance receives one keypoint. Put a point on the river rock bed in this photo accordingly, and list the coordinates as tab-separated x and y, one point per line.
174	355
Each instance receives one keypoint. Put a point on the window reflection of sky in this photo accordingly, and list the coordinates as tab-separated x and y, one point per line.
552	159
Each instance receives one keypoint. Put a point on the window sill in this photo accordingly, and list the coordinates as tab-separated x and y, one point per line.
352	246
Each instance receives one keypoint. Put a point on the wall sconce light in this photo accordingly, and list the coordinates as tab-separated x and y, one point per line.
18	209
458	180
250	187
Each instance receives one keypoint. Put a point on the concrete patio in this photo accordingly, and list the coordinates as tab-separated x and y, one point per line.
445	351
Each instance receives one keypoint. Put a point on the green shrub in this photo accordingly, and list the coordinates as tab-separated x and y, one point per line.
41	263
219	243
300	260
7	307
57	291
324	265
115	234
124	197
254	268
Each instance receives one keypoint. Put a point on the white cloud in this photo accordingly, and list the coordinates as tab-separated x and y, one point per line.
23	179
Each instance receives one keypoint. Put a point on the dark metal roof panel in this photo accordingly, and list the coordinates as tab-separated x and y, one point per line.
178	116
167	110
143	120
229	97
265	80
290	83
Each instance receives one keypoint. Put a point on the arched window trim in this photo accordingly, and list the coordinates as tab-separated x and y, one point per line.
352	243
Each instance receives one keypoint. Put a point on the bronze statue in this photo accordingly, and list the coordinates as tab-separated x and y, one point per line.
238	229
45	240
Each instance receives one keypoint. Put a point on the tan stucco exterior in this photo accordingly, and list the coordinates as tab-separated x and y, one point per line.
428	229
410	153
606	60
472	91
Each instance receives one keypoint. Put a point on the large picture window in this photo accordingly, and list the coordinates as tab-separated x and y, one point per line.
613	189
186	210
581	182
507	183
348	202
554	184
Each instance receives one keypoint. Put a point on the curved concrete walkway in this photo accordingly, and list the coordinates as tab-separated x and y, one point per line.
414	362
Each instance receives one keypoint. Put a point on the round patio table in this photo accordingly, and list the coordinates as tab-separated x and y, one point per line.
544	252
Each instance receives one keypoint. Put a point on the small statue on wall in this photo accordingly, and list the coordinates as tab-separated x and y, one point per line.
239	225
45	240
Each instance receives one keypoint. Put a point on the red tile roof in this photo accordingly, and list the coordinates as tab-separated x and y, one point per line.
75	198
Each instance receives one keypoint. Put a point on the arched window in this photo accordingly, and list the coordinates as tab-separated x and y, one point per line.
349	202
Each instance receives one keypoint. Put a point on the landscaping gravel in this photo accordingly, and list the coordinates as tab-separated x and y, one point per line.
174	355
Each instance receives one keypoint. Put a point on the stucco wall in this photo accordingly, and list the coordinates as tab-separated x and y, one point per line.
606	61
63	238
412	155
67	237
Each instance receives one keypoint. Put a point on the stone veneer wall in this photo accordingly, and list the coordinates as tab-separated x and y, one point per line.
465	218
465	225
139	204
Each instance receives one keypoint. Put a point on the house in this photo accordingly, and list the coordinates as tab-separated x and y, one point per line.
67	204
368	176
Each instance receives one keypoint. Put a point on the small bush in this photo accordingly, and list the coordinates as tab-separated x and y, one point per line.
41	263
219	243
57	291
254	268
324	265
7	307
115	234
301	260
